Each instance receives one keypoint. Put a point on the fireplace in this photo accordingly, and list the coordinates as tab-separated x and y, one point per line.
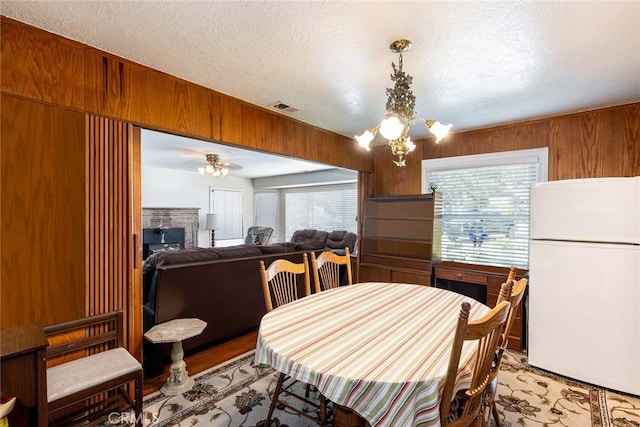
186	218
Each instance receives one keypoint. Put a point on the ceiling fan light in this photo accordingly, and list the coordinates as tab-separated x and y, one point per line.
225	171
391	127
208	169
439	130
201	170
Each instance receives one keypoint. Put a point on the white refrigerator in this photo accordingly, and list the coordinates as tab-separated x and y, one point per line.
584	271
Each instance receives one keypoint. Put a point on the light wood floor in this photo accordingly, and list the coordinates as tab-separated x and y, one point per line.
205	359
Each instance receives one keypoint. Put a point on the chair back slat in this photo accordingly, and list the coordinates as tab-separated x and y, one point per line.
514	293
326	269
110	339
95	333
280	281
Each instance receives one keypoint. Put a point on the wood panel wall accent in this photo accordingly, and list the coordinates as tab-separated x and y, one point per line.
597	143
43	160
63	72
39	65
391	180
72	246
111	254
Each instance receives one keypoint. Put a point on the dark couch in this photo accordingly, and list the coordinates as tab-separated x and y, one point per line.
334	241
221	286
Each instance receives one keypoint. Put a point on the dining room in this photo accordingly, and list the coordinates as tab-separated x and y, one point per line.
511	78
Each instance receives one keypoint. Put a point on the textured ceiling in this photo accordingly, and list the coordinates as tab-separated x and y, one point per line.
474	64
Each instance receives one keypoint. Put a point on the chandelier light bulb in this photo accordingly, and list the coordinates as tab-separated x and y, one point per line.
365	139
439	130
391	127
410	145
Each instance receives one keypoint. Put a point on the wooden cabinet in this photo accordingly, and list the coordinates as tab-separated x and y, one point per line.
400	239
24	373
482	282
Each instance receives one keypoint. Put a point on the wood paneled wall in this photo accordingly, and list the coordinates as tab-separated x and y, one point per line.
112	254
46	67
597	143
67	227
43	245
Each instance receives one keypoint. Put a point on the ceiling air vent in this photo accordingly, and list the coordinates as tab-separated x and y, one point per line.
284	107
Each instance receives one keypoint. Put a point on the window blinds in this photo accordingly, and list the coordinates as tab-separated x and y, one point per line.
328	209
485	218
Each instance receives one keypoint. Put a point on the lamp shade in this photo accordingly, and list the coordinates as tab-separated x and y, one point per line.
213	221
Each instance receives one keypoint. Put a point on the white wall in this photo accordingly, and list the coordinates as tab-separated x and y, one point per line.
170	188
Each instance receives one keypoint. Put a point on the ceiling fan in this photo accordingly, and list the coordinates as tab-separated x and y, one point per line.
214	166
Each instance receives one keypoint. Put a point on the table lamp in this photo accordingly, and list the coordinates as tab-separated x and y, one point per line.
213	222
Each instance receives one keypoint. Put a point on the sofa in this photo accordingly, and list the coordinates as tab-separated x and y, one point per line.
221	286
334	241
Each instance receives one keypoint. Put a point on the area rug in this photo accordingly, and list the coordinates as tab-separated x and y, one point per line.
237	393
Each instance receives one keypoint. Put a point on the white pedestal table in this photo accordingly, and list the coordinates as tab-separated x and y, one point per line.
175	331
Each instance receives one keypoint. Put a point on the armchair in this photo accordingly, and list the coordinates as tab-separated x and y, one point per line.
257	235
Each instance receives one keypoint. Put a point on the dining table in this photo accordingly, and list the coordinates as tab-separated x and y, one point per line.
380	349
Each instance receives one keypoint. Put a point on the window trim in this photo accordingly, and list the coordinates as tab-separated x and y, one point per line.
533	155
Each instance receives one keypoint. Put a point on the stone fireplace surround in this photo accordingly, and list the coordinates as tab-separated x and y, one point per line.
174	217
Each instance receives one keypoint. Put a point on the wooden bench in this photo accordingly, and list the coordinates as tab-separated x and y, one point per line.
90	373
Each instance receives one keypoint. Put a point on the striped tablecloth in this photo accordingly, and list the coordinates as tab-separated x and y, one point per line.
381	349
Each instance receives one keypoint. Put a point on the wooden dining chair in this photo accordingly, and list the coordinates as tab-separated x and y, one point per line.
279	283
514	293
326	269
465	409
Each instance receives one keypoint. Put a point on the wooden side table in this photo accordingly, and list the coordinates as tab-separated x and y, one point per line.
175	331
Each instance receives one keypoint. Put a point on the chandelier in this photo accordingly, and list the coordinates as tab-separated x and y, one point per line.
214	166
400	116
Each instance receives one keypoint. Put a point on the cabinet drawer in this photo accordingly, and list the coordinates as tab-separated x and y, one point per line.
461	276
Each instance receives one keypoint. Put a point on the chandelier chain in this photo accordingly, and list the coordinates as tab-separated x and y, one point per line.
400	99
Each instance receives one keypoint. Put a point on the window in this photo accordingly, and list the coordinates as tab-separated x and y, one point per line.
327	208
485	204
266	210
228	204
